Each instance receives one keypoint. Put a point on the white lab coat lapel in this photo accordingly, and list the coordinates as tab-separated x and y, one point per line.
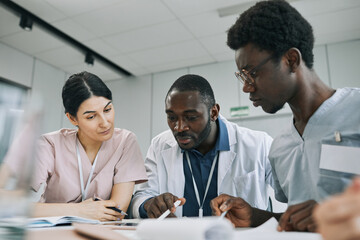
226	157
173	161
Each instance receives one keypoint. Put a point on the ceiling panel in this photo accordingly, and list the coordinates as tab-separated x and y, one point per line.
139	71
149	37
62	57
72	8
209	23
127	63
310	8
33	42
180	64
216	44
98	69
187	8
9	23
109	76
350	19
125	16
172	53
228	56
74	30
100	46
329	28
41	9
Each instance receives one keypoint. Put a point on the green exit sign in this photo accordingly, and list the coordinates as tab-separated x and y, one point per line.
239	111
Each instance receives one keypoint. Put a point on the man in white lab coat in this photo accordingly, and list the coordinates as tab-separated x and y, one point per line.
201	147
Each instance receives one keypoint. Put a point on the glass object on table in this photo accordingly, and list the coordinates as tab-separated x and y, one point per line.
19	130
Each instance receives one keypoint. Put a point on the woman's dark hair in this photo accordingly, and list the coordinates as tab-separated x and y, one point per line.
80	87
274	26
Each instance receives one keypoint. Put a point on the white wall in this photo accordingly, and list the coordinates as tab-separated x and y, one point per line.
344	64
161	83
16	66
48	82
40	78
132	104
225	86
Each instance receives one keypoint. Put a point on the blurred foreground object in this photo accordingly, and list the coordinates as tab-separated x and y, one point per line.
17	163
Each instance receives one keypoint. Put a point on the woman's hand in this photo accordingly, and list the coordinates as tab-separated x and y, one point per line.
338	217
97	210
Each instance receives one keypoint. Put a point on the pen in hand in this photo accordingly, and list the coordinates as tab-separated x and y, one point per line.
167	212
112	208
223	214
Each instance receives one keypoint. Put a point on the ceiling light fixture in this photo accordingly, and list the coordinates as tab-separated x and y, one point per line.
26	22
20	11
89	59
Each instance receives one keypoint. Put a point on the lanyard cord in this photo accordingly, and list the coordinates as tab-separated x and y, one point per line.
84	190
208	182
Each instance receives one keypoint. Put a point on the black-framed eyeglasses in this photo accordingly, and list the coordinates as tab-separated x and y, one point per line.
245	76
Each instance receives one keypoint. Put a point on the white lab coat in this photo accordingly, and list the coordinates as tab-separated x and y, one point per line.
243	171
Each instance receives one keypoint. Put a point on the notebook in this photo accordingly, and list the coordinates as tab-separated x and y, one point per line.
58	221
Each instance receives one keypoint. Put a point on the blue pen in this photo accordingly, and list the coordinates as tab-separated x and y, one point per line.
112	208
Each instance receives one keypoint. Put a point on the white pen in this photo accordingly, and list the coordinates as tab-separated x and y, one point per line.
223	214
167	212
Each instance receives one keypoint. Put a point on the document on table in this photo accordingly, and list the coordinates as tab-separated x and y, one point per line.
207	228
267	231
56	221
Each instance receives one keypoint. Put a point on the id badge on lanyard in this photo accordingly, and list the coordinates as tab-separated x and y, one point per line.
207	185
84	189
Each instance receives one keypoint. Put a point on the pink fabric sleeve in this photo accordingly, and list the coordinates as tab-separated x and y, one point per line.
44	162
130	166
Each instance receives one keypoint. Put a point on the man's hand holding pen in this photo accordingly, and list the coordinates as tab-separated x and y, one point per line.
159	204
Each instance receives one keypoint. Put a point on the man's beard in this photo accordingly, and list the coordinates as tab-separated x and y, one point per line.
202	136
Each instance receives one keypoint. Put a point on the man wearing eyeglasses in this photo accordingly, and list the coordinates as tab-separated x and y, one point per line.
273	45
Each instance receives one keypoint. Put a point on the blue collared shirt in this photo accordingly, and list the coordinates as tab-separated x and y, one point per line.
201	166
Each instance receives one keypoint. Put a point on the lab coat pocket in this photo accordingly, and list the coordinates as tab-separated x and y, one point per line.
339	163
332	182
247	187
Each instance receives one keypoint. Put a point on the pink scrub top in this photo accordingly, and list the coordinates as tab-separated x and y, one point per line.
119	160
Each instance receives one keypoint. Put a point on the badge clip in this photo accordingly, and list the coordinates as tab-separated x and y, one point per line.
337	136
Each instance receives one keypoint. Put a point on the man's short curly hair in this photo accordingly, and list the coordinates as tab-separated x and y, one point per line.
192	82
274	26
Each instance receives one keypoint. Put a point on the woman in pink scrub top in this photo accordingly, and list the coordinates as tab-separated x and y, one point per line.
94	160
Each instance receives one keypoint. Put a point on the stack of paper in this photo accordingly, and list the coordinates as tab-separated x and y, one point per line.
268	231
